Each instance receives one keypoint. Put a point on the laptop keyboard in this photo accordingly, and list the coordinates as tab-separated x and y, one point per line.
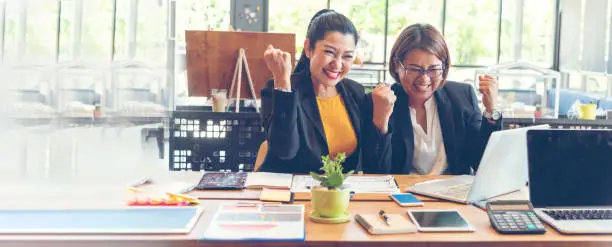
575	214
460	191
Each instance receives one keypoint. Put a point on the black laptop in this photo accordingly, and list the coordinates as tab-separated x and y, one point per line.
570	179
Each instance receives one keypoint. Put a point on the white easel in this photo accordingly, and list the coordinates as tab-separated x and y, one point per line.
238	77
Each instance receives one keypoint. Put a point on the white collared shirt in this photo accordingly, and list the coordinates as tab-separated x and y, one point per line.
429	153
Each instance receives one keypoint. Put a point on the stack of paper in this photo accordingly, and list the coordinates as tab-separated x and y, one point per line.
358	184
247	222
258	180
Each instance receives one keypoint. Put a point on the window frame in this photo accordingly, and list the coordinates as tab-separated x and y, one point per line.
443	16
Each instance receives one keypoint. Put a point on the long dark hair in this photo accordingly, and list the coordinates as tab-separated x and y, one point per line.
324	21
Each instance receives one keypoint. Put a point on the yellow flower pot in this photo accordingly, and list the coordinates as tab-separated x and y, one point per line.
330	203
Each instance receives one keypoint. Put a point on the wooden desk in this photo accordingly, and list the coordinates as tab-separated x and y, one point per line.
324	235
347	234
351	234
403	181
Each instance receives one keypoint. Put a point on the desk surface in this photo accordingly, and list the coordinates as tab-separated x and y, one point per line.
348	234
403	181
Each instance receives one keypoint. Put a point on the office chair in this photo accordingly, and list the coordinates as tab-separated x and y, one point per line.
261	155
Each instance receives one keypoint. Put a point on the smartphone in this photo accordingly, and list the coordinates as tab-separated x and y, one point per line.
406	199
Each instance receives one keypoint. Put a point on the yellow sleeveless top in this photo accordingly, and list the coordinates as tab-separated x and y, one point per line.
337	125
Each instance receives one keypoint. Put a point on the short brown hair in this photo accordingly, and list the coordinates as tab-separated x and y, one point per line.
419	36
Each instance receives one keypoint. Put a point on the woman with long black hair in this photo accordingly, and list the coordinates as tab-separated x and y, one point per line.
314	110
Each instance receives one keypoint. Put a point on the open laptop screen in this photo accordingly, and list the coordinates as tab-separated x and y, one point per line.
570	167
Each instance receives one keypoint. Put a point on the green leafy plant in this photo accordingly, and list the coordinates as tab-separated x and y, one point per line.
332	177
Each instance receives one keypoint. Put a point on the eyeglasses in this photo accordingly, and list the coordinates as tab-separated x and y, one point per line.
416	72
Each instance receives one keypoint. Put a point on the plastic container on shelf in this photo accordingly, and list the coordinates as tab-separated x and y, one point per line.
26	93
78	89
138	90
525	89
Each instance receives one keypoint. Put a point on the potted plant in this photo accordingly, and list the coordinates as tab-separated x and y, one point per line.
329	198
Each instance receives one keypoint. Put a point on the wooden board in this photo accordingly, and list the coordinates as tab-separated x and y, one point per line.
211	58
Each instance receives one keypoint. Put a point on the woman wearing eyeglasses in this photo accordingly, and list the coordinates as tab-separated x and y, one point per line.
430	125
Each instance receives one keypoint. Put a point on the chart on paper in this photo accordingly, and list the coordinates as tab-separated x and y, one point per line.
358	184
248	222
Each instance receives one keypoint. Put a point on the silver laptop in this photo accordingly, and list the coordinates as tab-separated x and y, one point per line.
570	179
502	169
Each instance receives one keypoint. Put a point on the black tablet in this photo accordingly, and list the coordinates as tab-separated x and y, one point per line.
439	221
222	181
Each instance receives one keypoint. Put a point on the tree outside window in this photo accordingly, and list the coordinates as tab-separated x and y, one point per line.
369	19
201	15
528	29
403	13
293	17
471	31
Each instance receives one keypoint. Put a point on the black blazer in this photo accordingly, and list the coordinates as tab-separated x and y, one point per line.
294	130
465	131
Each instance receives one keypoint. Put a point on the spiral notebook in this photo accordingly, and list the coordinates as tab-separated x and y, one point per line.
374	224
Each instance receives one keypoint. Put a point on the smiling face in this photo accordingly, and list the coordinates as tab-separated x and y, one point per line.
331	58
420	61
420	74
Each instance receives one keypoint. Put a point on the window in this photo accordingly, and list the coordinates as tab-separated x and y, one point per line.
575	80
527	33
30	30
369	19
597	85
403	13
97	32
141	31
201	15
69	45
471	31
41	31
151	31
2	16
293	17
459	74
125	30
86	31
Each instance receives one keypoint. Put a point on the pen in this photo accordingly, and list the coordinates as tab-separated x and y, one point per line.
384	216
185	198
187	190
142	182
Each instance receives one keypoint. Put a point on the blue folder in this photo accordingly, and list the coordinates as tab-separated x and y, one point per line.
100	221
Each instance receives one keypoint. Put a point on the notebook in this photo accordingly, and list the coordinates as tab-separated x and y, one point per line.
258	180
257	222
374	224
276	195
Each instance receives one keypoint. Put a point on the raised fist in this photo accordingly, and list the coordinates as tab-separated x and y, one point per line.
383	99
279	62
